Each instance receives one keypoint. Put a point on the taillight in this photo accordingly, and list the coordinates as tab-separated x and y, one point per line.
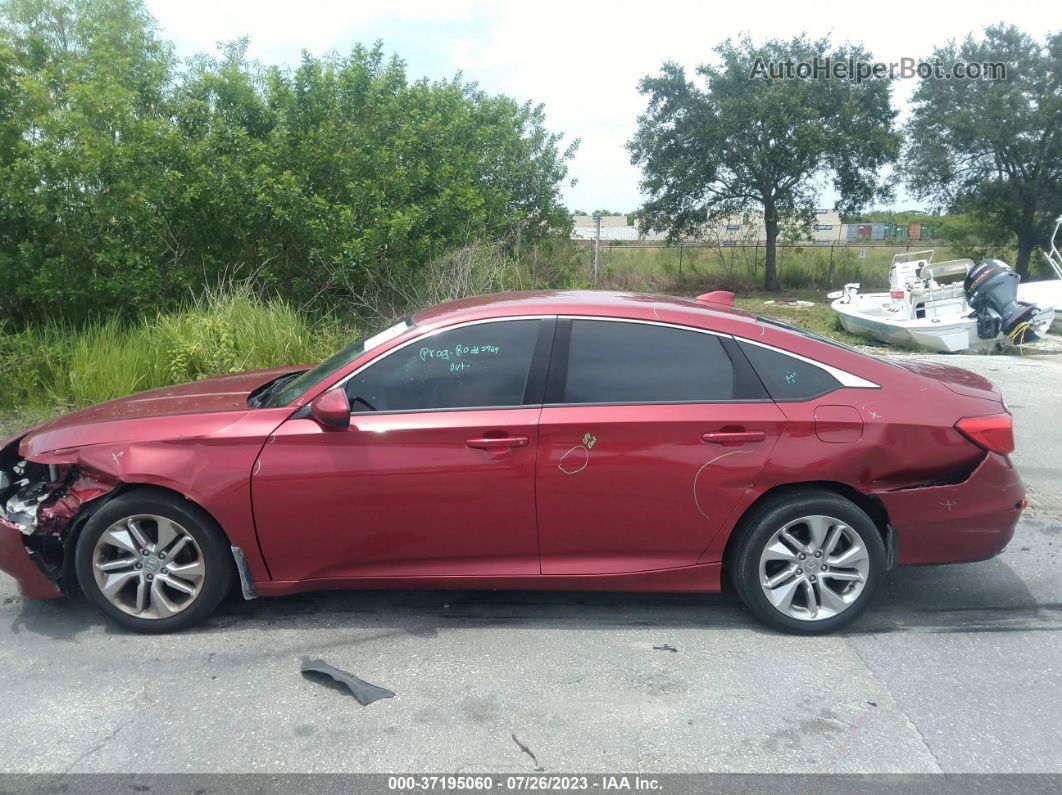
994	433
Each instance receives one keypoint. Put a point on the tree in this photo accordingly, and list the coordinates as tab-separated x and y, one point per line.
993	147
745	141
319	178
973	235
127	184
83	179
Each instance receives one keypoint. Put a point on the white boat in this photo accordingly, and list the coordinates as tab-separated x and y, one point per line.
1047	292
922	311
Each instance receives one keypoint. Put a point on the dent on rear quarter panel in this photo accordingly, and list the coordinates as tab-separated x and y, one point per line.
954	523
900	444
907	446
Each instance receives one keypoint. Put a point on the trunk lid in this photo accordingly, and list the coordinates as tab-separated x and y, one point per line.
959	381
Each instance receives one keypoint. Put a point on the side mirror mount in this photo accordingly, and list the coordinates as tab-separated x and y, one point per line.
331	409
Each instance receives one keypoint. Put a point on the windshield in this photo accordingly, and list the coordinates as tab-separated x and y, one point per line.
295	387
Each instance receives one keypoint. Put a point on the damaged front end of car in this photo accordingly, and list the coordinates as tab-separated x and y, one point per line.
42	506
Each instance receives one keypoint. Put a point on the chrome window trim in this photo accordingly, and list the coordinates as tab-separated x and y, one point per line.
843	376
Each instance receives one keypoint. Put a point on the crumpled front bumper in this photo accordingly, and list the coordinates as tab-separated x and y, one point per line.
968	521
15	560
40	504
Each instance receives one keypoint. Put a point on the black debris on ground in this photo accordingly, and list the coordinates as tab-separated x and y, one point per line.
363	691
527	751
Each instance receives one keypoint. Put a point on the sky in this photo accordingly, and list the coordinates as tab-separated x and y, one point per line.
582	60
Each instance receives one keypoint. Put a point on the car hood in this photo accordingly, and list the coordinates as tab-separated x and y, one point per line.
959	381
129	417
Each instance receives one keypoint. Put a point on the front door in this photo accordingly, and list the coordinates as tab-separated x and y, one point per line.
646	446
434	477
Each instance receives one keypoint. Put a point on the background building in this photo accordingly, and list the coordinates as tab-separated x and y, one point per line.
748	228
613	227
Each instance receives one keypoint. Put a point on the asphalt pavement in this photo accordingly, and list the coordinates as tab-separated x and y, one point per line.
956	669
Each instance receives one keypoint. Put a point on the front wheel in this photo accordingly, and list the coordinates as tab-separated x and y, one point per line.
808	563
153	562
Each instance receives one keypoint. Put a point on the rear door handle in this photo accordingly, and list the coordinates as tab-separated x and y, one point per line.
733	437
497	442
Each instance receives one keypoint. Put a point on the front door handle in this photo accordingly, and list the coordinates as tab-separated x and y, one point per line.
733	437
497	442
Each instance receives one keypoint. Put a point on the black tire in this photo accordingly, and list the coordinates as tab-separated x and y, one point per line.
213	548
758	529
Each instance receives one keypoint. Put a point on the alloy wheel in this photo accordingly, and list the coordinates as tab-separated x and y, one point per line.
814	568
148	566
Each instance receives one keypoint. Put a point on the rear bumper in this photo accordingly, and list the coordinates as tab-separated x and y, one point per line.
15	560
973	520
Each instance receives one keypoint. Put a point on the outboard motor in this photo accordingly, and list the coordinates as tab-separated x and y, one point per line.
992	290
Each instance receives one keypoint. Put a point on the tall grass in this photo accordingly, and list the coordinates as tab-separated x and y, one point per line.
475	269
231	329
226	330
740	268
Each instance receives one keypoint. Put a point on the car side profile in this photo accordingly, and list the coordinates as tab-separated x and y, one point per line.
538	440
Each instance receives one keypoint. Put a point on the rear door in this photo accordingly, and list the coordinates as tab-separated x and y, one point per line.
649	438
434	476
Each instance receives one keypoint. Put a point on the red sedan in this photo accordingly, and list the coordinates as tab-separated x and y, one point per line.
553	440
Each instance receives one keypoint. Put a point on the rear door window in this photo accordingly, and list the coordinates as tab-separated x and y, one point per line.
620	362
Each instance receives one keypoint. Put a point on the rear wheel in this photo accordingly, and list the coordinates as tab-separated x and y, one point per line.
808	563
152	562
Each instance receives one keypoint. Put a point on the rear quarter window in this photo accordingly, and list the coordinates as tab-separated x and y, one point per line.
786	377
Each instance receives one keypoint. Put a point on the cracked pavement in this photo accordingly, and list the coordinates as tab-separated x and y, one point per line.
956	669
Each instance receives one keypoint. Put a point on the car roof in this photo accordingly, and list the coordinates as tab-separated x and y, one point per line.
636	306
